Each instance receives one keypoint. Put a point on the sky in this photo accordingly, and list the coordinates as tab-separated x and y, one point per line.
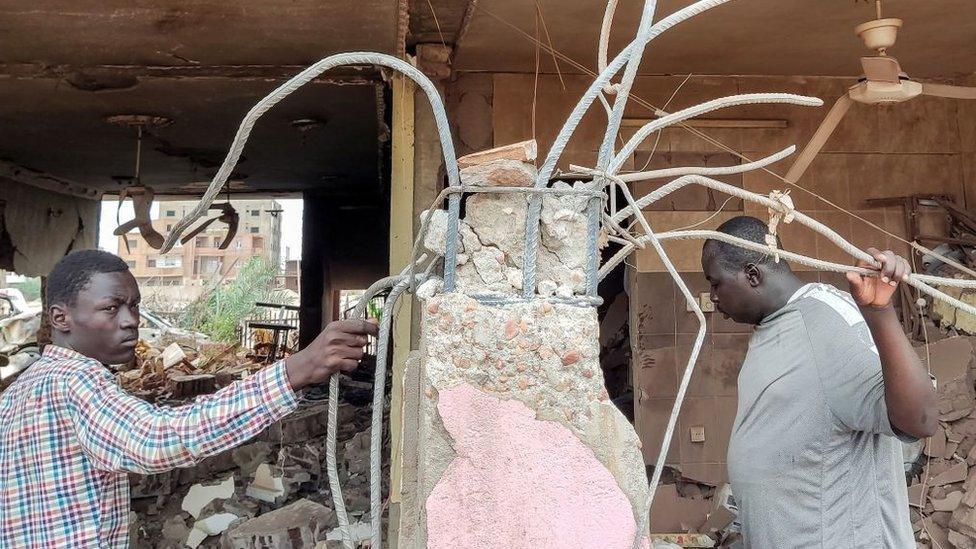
291	225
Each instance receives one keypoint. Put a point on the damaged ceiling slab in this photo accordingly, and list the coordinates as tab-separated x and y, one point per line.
723	40
200	66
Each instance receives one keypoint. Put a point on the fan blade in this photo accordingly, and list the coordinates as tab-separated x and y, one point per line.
197	231
951	92
151	236
126	227
881	69
820	137
231	220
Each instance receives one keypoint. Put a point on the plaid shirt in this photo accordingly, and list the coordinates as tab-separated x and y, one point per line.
69	435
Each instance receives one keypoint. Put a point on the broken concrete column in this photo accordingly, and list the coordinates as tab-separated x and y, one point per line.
516	415
492	248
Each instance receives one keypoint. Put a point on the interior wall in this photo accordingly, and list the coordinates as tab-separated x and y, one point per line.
344	247
927	145
38	227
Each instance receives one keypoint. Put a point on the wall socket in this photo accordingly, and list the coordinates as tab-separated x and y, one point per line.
704	301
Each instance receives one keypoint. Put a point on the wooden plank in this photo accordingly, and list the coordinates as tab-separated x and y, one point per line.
46	181
401	247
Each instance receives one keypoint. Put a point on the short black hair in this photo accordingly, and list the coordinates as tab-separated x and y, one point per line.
75	270
732	257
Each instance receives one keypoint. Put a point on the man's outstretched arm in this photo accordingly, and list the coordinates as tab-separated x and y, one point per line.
120	432
909	394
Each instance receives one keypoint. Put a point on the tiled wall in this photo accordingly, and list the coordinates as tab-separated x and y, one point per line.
663	332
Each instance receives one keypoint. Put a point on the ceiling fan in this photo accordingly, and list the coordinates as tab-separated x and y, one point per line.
883	82
228	216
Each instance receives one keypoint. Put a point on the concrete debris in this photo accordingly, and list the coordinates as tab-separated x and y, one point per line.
190	386
175	529
491	248
935	446
172	355
359	531
435	239
200	495
250	456
357	454
949	503
523	151
290	455
944	514
268	484
500	173
185	369
295	526
430	288
956	473
210	526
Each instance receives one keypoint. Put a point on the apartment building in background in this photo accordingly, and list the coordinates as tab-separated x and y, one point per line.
182	274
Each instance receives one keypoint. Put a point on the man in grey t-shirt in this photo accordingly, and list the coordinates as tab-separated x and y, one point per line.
828	387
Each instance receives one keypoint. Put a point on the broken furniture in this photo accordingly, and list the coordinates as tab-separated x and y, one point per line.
269	330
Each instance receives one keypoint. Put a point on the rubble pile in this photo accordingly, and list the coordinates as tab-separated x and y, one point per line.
181	370
688	513
270	492
942	480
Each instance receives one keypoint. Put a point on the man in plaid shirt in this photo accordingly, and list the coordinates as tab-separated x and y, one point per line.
69	435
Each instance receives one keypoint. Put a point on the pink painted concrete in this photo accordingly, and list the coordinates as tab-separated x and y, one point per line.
518	482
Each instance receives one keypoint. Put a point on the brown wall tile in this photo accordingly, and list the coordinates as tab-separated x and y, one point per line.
654	372
716	414
652	419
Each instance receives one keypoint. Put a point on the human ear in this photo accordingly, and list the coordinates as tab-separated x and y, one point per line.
60	318
753	274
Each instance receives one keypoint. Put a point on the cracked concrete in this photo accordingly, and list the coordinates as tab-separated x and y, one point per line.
506	390
491	249
542	354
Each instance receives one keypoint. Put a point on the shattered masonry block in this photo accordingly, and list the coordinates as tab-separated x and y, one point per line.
500	173
151	486
435	238
250	456
172	355
356	454
296	526
190	386
524	151
268	484
300	463
305	424
206	470
200	495
499	221
209	526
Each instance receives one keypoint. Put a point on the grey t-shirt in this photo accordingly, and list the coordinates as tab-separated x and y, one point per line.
813	460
